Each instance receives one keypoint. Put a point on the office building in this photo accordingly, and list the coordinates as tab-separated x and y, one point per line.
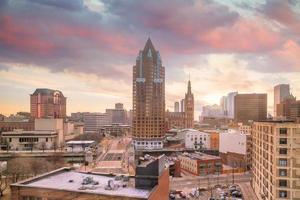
117	115
176	106
212	111
182	105
289	108
148	99
276	160
47	103
281	91
230	104
250	107
94	121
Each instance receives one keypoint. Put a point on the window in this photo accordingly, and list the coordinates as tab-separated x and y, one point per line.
46	139
283	151
283	162
282	141
282	172
282	183
283	131
9	139
282	194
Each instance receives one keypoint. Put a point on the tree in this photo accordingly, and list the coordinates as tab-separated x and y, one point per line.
18	168
54	146
43	146
3	183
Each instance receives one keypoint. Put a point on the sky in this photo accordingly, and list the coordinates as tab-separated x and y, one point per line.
86	49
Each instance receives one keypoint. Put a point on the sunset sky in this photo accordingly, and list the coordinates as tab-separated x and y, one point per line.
86	49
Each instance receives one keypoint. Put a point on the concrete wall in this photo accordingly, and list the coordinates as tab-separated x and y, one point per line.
233	141
51	124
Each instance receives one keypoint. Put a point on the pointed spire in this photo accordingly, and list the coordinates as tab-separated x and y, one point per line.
149	45
189	86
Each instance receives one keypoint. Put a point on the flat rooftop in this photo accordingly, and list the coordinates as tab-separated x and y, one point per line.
200	156
70	180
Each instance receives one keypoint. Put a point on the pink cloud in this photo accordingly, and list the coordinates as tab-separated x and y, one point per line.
24	37
243	36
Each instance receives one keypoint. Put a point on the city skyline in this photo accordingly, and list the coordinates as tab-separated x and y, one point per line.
87	50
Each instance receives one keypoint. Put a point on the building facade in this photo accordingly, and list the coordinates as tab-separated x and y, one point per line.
250	107
194	139
47	103
281	91
200	164
289	108
276	160
185	118
148	99
94	121
117	115
235	148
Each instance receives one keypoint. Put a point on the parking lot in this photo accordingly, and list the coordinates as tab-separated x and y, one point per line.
220	192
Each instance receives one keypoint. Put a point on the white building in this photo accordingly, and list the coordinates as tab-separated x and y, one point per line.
233	141
28	140
79	146
212	111
56	125
195	139
246	129
93	121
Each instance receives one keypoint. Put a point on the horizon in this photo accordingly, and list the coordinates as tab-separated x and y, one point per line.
87	49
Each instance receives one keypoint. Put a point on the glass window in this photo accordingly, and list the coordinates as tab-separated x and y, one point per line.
283	131
282	183
282	172
282	141
282	193
282	162
283	151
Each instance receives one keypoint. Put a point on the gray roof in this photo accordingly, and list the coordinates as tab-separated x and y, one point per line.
46	91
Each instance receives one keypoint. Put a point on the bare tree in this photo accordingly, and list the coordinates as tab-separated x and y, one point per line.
43	146
55	146
18	168
3	183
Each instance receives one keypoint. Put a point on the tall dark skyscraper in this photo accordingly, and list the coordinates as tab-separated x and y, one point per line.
148	99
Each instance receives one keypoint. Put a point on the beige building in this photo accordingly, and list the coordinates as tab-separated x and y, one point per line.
276	160
148	99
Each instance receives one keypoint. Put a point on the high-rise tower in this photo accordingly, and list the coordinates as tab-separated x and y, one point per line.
148	99
189	107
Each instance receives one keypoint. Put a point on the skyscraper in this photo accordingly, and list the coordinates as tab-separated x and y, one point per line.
47	103
250	107
281	91
176	106
148	99
230	104
189	107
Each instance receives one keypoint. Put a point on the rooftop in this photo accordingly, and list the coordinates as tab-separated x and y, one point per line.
81	142
21	132
70	180
200	156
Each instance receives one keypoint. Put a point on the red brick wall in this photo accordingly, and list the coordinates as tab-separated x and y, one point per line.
161	192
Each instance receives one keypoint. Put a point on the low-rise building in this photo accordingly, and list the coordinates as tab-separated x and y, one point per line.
115	129
195	139
28	140
79	146
235	148
150	182
200	164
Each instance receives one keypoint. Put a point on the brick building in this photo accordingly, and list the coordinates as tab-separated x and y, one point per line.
47	103
200	164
